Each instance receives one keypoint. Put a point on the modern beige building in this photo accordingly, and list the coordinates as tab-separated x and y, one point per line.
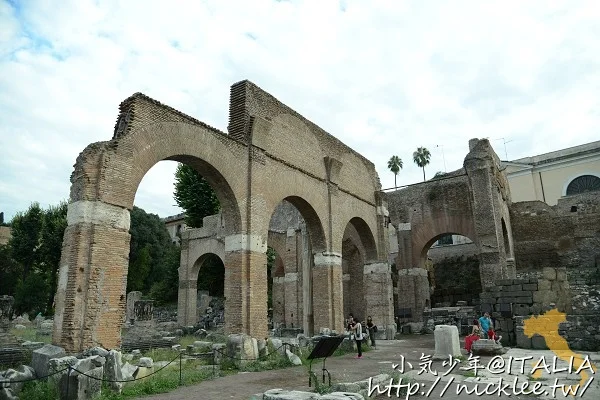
175	224
548	177
5	234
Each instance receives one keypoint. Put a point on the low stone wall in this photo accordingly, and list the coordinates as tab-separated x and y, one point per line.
514	300
582	329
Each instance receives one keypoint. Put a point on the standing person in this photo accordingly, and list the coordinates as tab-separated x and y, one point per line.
485	323
350	322
358	335
372	328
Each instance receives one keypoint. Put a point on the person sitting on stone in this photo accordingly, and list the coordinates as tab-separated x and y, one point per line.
494	336
485	323
473	337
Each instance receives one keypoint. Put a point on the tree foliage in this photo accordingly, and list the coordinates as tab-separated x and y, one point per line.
421	157
211	276
150	252
395	164
194	195
33	256
29	263
25	240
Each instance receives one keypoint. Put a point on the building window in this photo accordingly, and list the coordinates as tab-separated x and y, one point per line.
584	183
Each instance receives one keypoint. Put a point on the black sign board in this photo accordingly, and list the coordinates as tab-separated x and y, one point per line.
325	347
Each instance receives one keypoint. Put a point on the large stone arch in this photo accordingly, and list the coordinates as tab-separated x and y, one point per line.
196	244
90	297
473	202
371	282
252	168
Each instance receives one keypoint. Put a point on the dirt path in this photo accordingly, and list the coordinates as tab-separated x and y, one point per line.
244	386
343	369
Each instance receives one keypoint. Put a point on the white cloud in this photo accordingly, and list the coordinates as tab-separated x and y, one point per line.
384	77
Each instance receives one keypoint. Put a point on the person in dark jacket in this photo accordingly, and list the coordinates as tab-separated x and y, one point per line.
372	328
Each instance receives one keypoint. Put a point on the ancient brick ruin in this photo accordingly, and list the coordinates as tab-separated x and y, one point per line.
332	254
271	154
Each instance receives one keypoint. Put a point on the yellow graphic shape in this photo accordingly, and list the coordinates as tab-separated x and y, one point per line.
546	325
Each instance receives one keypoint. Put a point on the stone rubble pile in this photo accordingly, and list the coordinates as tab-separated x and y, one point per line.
77	377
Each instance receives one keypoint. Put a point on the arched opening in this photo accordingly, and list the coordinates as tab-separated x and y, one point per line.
210	302
359	263
583	184
295	235
352	270
104	185
452	263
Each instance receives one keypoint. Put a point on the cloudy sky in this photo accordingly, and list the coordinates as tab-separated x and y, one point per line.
383	76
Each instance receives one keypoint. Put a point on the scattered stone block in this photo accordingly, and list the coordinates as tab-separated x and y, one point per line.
219	350
85	380
46	328
145	362
202	347
112	370
96	351
143	372
60	364
132	297
281	394
294	359
446	342
16	376
263	350
549	273
349	387
128	371
41	356
487	347
32	345
241	349
200	333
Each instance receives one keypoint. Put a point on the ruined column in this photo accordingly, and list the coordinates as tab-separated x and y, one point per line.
246	285
188	287
379	297
413	290
308	322
132	297
327	293
278	300
479	165
92	279
413	285
290	281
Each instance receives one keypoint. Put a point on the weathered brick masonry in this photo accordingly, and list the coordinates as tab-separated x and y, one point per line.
271	154
473	202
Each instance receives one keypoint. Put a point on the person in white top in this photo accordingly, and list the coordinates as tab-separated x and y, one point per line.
358	335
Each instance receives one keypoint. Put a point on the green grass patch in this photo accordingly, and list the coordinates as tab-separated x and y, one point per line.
38	390
31	334
163	381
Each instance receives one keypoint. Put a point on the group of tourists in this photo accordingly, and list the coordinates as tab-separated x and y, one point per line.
483	328
358	333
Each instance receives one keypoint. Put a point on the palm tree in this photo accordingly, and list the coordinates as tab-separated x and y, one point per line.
395	165
421	158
